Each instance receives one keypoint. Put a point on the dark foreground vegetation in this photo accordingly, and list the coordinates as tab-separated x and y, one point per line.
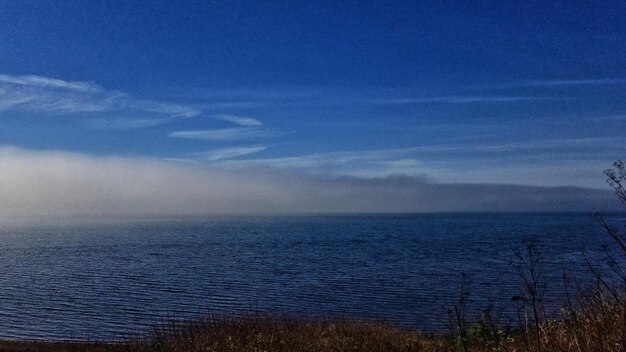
593	318
599	327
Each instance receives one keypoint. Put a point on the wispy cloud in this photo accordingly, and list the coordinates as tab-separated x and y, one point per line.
239	120
540	145
611	118
227	153
46	82
128	124
92	102
340	97
341	157
324	161
227	134
570	82
458	99
563	82
332	100
495	162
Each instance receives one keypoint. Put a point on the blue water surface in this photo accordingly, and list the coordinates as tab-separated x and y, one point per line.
107	281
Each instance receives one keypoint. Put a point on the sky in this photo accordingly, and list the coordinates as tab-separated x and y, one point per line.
194	107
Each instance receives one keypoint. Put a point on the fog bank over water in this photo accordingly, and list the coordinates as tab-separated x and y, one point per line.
62	185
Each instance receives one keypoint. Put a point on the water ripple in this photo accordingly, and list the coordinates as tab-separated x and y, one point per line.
106	282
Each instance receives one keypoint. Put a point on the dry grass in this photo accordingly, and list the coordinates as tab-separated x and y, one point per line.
283	334
256	333
594	328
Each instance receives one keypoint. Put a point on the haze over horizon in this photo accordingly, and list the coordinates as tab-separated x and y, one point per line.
130	108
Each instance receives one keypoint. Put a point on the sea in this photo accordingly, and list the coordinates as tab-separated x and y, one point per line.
113	280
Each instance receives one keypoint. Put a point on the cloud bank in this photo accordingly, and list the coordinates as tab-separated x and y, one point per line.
44	185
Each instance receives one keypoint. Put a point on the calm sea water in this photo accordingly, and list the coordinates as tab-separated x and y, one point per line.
108	281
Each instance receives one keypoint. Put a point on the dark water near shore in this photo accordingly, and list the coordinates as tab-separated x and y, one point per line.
106	281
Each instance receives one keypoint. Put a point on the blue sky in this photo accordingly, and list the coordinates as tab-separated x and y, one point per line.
528	93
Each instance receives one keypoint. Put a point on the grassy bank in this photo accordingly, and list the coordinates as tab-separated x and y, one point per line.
590	328
255	333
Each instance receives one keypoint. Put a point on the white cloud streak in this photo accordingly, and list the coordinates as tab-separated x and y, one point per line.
574	161
458	99
92	102
239	120
227	134
572	82
46	82
555	83
227	153
45	185
320	160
